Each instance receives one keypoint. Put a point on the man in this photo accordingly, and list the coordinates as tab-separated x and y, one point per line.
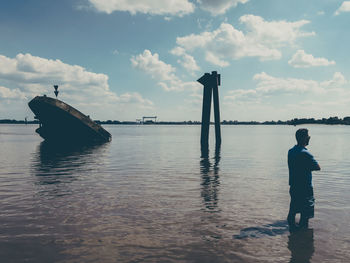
300	164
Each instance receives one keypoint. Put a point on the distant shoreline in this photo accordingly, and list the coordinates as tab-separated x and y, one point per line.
296	121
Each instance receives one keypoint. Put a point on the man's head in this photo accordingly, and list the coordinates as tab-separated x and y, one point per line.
302	136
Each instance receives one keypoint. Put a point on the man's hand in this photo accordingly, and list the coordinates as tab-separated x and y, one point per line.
317	167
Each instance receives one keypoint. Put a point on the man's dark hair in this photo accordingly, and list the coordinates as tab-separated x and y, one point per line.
301	135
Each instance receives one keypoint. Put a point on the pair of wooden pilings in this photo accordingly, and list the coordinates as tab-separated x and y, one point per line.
210	83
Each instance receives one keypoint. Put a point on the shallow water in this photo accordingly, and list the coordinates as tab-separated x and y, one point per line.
148	196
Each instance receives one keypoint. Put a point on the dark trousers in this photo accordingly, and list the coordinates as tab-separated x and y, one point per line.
301	201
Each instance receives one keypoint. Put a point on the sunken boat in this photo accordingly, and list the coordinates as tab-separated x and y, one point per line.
61	123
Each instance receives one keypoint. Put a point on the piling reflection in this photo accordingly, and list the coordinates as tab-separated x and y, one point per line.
55	164
301	246
210	178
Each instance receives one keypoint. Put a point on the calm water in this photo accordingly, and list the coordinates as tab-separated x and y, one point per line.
148	196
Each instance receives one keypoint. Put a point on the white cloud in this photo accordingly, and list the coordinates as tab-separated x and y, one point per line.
336	82
285	98
274	33
187	61
242	96
268	86
216	7
216	60
159	70
163	7
6	93
26	76
302	60
153	7
262	39
153	65
134	97
345	7
25	68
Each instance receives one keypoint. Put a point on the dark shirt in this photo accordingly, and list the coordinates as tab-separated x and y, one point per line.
300	164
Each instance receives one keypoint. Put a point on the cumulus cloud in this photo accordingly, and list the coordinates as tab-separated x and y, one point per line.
6	93
216	7
163	7
134	97
153	7
159	70
302	60
262	39
27	69
187	61
336	82
268	85
345	7
26	76
274	33
286	98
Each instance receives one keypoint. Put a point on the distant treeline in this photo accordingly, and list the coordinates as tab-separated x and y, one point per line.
296	121
8	121
150	122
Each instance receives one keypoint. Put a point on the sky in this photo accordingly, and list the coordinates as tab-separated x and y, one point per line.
125	59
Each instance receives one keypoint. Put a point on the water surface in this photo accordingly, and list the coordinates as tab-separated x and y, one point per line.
149	196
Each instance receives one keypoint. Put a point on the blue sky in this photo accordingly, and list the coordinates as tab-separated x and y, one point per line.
124	59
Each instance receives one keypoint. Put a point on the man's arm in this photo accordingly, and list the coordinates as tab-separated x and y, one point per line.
314	166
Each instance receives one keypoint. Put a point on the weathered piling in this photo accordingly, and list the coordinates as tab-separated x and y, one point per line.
210	83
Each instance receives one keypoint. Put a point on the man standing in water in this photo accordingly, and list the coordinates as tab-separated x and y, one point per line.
300	164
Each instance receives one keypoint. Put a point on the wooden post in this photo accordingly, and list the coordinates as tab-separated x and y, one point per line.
207	91
210	83
216	108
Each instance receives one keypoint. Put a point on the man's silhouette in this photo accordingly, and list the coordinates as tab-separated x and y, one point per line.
300	164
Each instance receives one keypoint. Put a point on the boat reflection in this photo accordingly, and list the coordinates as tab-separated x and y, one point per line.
56	164
210	179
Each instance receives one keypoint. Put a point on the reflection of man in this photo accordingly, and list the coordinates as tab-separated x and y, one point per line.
300	164
301	246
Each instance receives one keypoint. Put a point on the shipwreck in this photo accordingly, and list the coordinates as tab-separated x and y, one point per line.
61	123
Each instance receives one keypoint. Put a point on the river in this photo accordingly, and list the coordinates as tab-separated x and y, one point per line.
150	196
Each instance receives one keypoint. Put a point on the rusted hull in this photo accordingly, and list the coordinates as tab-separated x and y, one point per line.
60	122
